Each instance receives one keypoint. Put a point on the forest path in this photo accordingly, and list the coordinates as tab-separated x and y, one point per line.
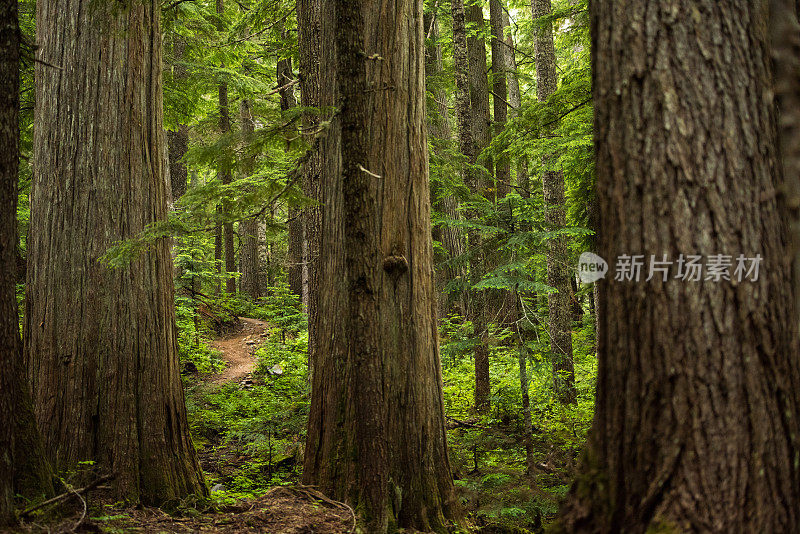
238	351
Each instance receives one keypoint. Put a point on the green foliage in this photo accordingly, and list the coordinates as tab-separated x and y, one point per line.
487	451
256	435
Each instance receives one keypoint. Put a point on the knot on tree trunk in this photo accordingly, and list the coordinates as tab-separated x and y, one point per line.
395	264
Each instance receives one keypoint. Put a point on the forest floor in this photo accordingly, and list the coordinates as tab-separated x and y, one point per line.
281	510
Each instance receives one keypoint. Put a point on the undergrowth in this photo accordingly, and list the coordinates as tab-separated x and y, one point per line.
252	439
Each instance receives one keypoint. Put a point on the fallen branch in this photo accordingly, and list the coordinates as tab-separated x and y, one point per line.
85	509
312	492
452	422
71	493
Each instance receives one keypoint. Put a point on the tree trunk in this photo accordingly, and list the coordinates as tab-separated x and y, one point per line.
225	174
515	99
250	281
317	90
377	304
452	238
506	308
500	91
296	270
101	342
697	408
473	131
557	255
178	139
23	469
522	359
10	347
785	34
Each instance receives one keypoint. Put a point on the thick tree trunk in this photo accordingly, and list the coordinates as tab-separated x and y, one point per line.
250	281
10	347
377	304
101	342
557	254
23	469
452	238
696	425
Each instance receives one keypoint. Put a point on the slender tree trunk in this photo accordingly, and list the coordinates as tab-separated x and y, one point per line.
377	304
500	91
296	272
506	299
522	358
218	252
101	342
500	22
515	99
250	281
557	254
452	238
317	90
225	175
696	425
479	89
473	132
178	139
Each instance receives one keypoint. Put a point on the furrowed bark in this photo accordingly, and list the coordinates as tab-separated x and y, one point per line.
100	343
696	425
362	388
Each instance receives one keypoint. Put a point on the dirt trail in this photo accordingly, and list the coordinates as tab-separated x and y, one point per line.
238	351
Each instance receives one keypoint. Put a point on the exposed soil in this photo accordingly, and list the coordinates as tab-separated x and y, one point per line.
238	351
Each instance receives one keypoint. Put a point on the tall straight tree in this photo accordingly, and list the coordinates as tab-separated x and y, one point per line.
225	175
450	236
178	139
101	342
23	469
558	271
249	257
297	273
500	70
317	92
469	58
515	101
696	428
10	346
380	377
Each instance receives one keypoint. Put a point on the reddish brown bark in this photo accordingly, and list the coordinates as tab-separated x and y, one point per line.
377	352
101	342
